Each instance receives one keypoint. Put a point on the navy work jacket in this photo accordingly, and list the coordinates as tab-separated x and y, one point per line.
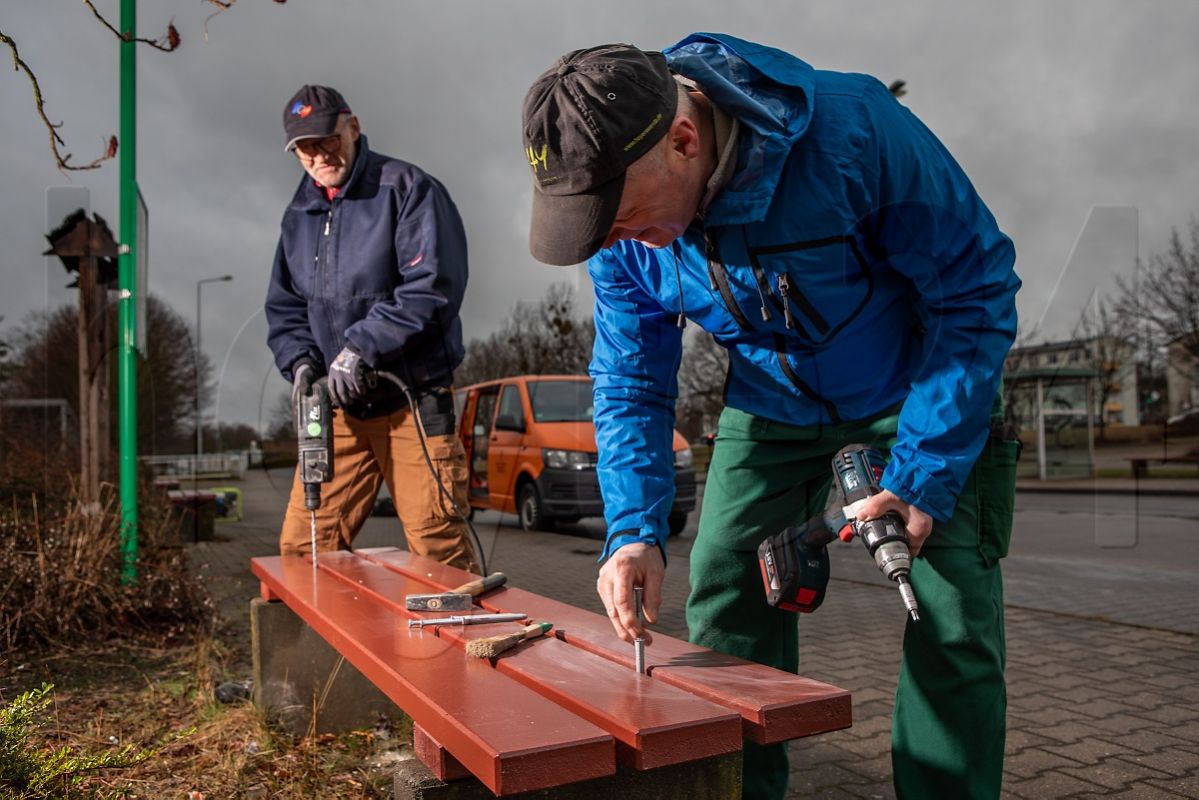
382	267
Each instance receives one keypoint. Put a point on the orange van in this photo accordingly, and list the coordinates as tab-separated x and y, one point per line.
530	444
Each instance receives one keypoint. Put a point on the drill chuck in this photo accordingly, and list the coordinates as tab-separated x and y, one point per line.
894	560
312	496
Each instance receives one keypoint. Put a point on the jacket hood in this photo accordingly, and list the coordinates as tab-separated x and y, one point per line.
770	92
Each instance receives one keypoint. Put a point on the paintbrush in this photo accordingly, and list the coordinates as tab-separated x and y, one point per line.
492	646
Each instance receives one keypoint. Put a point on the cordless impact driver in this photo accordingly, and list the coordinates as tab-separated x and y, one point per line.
794	563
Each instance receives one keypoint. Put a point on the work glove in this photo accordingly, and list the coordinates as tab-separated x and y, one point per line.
303	375
347	377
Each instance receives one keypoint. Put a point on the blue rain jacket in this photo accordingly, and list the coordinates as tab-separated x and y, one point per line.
848	266
381	267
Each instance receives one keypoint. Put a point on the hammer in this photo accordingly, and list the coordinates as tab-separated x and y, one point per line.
460	599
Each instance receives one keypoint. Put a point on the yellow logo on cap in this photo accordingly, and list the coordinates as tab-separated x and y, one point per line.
537	158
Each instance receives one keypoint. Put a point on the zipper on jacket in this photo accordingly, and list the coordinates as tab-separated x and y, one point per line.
328	219
763	284
799	383
784	289
719	281
792	295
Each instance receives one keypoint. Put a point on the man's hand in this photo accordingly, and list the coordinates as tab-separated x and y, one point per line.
919	524
635	564
347	377
303	376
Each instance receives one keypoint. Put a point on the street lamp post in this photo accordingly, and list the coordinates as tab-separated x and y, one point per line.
199	421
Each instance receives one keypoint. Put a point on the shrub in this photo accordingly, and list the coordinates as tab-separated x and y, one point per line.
62	580
29	772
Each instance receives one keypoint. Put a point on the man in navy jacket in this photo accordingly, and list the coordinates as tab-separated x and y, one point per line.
818	231
369	275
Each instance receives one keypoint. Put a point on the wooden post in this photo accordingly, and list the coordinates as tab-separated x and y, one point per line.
89	434
81	243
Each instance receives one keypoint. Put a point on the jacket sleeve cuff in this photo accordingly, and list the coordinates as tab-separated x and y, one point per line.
915	486
621	538
317	367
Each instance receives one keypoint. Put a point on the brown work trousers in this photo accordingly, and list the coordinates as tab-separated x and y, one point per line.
367	452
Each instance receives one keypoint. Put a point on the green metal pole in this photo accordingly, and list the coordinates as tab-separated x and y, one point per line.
127	277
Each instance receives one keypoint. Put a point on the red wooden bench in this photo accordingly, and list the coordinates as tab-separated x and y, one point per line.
554	711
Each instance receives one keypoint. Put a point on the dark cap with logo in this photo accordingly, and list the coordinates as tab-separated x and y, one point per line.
586	119
312	113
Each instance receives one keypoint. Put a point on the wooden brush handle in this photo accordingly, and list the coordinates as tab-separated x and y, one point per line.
535	630
477	587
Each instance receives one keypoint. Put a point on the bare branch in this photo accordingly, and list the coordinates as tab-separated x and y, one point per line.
63	161
223	5
166	43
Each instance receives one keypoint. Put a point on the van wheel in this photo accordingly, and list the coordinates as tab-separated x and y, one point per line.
531	511
676	522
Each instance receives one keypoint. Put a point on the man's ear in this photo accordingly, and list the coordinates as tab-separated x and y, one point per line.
683	138
355	128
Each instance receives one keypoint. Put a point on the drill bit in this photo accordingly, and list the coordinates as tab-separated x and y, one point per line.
908	596
313	539
639	642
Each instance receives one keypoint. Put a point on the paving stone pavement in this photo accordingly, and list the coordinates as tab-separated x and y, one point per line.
1101	703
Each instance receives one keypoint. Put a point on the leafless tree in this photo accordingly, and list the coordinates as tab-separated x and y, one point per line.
167	43
1112	354
701	383
45	363
1165	300
544	337
1019	405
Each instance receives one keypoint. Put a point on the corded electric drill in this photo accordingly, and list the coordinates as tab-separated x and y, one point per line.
794	563
314	439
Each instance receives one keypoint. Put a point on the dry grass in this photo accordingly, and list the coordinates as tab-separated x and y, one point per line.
119	695
137	665
61	586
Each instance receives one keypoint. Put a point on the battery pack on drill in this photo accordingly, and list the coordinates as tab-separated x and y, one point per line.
795	568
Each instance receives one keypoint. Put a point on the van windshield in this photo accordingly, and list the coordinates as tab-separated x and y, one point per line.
561	401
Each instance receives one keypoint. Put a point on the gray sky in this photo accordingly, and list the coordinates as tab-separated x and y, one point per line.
1052	108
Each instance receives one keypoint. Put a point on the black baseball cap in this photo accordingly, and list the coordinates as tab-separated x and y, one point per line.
312	113
586	119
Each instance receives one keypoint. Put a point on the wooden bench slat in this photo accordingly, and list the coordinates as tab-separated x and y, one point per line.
655	724
775	706
511	738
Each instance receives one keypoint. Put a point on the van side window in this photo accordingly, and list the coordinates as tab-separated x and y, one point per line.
510	406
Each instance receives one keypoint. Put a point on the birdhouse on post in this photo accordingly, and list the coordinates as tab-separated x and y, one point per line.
87	248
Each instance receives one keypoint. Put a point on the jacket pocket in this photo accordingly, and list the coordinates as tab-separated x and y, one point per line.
820	286
995	481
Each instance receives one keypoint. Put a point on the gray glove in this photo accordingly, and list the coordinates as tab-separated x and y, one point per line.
347	377
303	375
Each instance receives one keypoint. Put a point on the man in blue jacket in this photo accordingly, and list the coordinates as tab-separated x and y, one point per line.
824	236
369	275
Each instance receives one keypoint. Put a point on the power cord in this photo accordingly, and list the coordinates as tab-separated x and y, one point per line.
420	434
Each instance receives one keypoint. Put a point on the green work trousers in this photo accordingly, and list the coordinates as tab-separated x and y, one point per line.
947	734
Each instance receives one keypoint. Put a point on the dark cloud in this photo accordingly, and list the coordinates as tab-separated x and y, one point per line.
1051	108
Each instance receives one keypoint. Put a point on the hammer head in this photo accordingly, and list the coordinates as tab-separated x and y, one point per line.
442	601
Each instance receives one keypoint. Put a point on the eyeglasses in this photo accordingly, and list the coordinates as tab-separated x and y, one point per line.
307	149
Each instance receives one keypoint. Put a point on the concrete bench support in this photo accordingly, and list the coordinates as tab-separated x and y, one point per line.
297	672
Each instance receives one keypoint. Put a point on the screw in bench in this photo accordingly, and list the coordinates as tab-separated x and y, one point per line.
639	642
